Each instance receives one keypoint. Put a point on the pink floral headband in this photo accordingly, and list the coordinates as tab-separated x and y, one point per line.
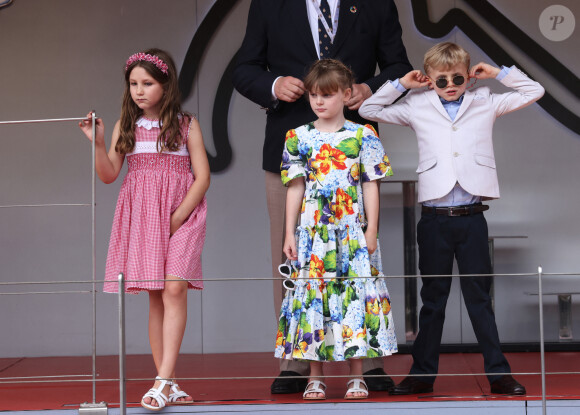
162	66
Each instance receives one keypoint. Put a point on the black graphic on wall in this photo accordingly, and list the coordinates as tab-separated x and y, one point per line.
187	75
453	18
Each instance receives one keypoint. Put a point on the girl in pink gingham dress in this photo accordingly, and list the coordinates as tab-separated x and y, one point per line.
159	223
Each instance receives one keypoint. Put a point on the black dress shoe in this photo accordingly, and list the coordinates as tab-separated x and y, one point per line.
283	384
411	385
507	385
378	384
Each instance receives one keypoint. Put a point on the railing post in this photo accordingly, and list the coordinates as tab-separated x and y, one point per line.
122	393
93	259
542	355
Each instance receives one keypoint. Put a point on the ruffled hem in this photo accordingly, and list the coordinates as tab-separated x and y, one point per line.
335	321
112	287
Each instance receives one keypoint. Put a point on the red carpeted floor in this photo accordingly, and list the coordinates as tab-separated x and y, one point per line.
66	394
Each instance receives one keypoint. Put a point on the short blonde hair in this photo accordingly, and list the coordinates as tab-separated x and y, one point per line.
445	55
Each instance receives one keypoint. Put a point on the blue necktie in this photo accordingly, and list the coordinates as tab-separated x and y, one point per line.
324	40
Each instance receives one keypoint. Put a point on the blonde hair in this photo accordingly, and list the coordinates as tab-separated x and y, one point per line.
444	56
328	76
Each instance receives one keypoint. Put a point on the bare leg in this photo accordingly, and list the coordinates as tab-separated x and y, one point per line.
316	373
156	326
355	373
174	318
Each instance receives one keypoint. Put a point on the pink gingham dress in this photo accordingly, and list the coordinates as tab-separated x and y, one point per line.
140	246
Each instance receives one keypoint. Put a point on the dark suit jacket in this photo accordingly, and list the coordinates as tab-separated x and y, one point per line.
278	42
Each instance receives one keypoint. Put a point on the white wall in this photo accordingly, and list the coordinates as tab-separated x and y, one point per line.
65	57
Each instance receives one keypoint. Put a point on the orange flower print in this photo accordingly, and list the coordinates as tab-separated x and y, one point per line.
372	306
346	333
353	177
386	305
290	134
343	204
362	334
279	338
329	158
316	267
370	127
384	167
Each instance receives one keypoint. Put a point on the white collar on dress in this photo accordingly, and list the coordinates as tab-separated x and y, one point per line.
147	123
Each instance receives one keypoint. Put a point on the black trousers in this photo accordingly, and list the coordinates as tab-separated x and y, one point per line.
441	239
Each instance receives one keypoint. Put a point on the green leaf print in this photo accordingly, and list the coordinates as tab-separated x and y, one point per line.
374	342
296	305
304	325
373	353
282	324
353	246
329	352
310	297
347	299
320	352
323	233
351	191
350	147
373	324
322	201
330	261
325	308
292	145
350	352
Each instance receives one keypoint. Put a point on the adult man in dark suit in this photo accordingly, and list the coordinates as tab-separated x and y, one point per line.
283	38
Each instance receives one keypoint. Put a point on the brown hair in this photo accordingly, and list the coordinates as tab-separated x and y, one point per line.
445	55
170	136
328	76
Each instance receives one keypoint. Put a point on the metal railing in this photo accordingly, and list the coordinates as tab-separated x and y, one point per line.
121	304
123	379
93	232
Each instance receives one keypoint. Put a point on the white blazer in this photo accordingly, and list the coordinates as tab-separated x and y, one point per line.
453	151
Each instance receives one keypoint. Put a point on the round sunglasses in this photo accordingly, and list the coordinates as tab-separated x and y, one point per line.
457	80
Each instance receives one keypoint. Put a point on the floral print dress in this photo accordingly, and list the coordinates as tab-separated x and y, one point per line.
332	314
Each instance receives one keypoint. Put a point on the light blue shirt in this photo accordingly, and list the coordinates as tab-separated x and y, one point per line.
457	196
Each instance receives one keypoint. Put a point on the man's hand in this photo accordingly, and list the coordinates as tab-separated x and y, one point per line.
288	88
360	92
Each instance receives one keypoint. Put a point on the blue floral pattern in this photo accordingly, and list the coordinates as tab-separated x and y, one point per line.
339	308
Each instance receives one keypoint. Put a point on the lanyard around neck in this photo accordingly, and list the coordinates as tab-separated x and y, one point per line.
330	32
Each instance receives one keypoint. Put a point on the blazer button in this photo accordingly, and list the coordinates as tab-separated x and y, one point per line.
456	154
454	128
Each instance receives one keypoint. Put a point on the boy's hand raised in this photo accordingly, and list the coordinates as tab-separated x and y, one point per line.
483	71
414	79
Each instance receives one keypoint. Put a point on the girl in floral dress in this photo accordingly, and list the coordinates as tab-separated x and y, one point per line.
159	223
337	306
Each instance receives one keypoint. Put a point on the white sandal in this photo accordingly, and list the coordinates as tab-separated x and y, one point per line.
157	394
356	388
318	386
176	394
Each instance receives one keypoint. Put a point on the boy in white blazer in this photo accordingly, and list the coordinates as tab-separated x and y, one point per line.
456	173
